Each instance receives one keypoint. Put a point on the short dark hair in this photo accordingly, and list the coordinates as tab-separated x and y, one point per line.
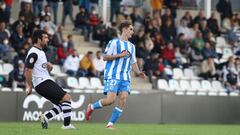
38	34
124	24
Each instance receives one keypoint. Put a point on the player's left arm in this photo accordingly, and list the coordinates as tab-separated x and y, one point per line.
137	71
135	67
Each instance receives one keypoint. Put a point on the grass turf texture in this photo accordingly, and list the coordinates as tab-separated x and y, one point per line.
33	128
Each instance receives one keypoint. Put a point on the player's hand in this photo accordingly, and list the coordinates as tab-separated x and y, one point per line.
49	66
124	53
142	75
29	90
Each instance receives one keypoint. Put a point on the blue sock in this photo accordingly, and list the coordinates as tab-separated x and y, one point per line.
116	113
97	105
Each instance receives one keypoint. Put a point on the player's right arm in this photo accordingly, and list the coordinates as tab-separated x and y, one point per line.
30	61
110	52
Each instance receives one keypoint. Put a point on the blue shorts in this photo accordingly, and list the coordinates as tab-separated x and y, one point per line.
116	86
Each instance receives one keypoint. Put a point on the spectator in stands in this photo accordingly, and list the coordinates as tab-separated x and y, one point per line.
57	39
224	7
169	31
195	28
183	28
157	6
49	24
87	67
111	33
237	65
198	39
139	37
233	34
150	29
81	21
230	75
141	54
54	6
212	24
85	4
115	9
94	4
37	6
199	18
18	38
183	45
46	11
34	25
208	70
4	40
210	39
203	28
27	13
148	44
188	17
20	21
62	53
208	51
136	18
67	10
5	15
166	16
172	5
168	54
71	64
19	57
99	64
70	43
94	21
8	6
99	33
196	54
16	77
158	42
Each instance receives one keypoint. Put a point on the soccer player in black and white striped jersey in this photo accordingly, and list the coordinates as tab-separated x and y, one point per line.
37	76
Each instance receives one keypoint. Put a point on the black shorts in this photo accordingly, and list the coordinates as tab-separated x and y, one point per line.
51	91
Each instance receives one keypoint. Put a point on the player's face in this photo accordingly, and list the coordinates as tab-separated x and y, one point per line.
44	40
129	31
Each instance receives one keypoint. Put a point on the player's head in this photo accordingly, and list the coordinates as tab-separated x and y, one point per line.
126	28
40	37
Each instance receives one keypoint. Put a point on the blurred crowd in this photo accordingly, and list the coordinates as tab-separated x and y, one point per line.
162	41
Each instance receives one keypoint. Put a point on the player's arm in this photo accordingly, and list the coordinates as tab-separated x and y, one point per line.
112	57
28	76
135	67
30	61
137	71
110	52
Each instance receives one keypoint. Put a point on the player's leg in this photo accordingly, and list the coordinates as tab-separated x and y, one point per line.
51	91
117	111
67	109
124	91
110	99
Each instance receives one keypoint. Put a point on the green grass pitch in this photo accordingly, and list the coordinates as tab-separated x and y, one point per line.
33	128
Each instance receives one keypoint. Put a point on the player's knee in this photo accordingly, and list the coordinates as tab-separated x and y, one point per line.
110	101
67	97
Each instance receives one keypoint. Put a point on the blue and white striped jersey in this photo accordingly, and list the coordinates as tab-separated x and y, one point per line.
119	68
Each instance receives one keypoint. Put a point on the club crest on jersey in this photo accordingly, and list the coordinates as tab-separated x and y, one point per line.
44	65
31	60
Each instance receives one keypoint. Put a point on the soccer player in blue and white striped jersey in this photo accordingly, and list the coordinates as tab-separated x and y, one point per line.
120	57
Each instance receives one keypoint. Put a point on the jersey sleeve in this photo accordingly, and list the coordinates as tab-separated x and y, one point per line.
31	60
110	49
133	57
